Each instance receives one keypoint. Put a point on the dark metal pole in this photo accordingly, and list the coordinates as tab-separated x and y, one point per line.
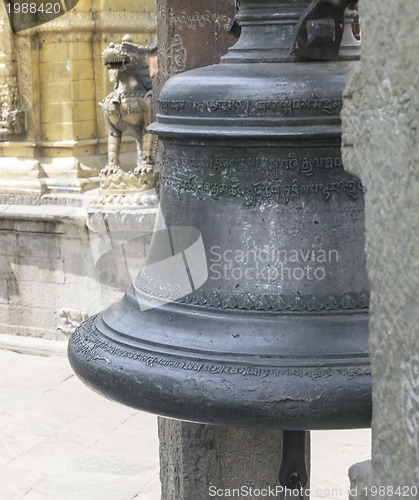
293	473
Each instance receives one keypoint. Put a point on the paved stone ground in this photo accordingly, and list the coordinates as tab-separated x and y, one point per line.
61	441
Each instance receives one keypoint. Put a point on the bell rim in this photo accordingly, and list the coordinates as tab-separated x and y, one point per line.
290	398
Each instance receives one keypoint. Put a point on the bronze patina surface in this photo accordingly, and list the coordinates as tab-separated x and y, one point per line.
271	329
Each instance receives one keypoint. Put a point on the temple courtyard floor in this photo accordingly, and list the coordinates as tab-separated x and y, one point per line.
61	441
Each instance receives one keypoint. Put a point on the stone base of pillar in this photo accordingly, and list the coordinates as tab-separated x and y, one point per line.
120	235
205	461
360	478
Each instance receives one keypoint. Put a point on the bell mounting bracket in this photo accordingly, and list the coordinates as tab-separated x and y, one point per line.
319	31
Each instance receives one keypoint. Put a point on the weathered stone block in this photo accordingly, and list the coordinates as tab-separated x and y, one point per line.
37	245
85	110
82	71
30	293
99	244
71	295
112	269
81	51
360	478
40	227
80	266
54	72
4	288
54	52
57	92
57	112
8	243
85	129
27	321
81	89
72	229
73	246
58	131
38	270
7	224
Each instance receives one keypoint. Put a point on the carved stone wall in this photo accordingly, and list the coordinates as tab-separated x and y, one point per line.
49	282
381	145
61	79
55	77
11	116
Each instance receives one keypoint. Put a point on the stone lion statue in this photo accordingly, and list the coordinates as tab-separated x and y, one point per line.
128	108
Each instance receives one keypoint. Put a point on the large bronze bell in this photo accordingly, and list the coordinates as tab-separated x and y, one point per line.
252	309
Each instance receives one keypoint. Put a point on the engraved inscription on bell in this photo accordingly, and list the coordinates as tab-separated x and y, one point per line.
308	212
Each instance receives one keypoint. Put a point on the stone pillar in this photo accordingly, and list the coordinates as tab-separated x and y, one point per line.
61	79
381	145
185	25
195	459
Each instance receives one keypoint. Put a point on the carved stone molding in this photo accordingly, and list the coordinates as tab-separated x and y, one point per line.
136	218
24	71
119	202
74	25
70	319
128	182
11	115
